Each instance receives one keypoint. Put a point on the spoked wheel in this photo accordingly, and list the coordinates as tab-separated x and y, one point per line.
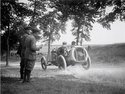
61	62
44	63
86	65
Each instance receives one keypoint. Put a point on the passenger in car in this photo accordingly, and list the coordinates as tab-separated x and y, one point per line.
63	49
73	44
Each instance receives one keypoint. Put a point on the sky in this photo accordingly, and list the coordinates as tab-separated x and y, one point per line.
99	35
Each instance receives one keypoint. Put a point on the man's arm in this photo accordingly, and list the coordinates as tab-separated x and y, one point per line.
33	45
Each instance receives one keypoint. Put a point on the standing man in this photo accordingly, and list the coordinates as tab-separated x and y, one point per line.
21	50
30	53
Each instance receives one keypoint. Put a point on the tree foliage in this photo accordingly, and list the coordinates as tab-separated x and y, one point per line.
82	12
117	12
13	14
86	12
38	7
11	10
51	25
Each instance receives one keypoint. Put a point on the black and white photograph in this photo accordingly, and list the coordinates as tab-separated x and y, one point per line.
62	47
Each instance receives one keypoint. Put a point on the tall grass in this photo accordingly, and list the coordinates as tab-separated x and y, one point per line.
108	53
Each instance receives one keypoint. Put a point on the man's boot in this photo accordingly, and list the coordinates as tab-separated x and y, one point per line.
25	76
21	75
28	75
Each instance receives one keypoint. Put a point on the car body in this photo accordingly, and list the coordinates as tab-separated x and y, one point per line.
63	57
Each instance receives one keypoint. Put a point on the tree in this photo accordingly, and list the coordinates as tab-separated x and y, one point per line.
83	12
48	21
81	30
51	25
86	12
12	12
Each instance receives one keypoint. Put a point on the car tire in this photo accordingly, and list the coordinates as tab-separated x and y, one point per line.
61	62
44	63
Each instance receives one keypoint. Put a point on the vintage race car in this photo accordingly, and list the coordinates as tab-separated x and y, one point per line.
64	58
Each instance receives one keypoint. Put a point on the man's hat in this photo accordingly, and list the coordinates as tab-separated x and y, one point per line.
73	42
64	43
35	30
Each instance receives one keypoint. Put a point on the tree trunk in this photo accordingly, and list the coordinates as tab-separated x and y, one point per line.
77	41
7	52
48	56
81	41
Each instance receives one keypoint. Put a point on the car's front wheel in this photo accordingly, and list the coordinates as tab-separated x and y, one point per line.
61	62
44	63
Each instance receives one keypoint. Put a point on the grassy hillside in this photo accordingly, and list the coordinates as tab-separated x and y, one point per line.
114	53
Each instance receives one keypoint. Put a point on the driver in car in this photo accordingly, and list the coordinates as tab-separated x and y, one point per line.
63	49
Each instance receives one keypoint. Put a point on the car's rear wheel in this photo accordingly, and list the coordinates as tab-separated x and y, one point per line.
86	65
44	63
61	62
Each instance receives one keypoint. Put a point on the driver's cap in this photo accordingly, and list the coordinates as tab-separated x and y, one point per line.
64	43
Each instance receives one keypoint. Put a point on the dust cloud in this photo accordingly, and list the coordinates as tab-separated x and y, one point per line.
110	75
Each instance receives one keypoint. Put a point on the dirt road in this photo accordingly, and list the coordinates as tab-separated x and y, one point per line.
99	79
98	73
106	74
